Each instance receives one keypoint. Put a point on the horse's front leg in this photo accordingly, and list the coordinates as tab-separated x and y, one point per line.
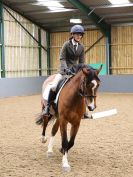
73	133
63	129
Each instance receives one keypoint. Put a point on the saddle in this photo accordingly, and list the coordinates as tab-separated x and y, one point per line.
60	84
54	101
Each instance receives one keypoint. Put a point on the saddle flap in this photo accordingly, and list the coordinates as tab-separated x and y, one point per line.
59	88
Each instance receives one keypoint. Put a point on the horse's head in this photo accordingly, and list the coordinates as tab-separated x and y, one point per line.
90	86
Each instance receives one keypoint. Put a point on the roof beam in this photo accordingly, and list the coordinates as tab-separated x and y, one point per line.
103	26
66	28
49	19
44	11
117	15
121	20
29	2
112	6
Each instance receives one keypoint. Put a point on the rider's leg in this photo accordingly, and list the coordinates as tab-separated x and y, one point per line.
49	93
47	107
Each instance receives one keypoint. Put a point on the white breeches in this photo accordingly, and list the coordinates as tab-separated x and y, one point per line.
52	85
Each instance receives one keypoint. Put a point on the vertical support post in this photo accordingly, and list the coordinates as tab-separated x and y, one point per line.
40	51
108	50
48	52
2	41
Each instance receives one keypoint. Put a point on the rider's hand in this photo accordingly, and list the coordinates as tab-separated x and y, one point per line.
68	71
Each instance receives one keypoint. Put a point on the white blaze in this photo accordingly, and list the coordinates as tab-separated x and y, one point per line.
92	103
95	84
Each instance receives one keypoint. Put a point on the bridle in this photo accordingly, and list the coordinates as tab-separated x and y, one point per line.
83	88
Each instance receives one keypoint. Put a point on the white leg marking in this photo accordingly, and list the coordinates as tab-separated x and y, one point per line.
50	147
43	139
66	167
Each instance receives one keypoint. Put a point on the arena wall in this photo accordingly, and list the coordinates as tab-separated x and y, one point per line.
32	85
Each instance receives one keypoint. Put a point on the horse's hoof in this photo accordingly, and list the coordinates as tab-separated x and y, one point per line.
50	154
66	168
43	139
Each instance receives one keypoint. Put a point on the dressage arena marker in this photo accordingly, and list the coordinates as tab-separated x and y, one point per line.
104	114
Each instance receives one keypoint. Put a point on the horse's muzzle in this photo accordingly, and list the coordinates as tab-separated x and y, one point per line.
91	108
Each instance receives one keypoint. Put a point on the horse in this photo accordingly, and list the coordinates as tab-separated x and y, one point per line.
77	94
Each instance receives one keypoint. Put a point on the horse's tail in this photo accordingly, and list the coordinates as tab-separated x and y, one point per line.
39	120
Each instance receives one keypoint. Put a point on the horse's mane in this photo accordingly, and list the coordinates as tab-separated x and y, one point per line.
92	74
76	68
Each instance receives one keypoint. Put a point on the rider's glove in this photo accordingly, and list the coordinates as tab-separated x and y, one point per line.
68	71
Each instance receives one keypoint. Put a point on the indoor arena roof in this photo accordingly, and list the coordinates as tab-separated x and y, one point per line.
55	15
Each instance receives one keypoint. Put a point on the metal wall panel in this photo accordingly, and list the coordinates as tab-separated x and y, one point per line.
95	55
122	50
121	47
21	50
56	42
44	53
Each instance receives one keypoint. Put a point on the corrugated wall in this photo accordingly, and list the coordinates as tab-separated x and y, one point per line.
122	50
56	42
121	47
95	55
21	51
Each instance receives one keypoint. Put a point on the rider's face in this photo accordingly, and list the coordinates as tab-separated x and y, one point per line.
77	36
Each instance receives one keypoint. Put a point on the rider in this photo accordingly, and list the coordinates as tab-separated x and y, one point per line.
72	53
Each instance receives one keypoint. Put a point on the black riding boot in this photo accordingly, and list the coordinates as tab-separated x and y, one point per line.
45	111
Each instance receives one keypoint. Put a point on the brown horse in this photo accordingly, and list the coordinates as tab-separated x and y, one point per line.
79	92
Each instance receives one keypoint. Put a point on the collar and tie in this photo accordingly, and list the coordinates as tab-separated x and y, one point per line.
75	48
75	45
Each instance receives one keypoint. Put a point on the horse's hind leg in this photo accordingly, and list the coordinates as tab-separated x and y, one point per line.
53	133
45	123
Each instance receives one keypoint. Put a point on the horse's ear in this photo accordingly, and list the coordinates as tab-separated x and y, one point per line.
85	71
98	70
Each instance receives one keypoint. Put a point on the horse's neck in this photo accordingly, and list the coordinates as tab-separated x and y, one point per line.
78	79
74	86
70	93
75	83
